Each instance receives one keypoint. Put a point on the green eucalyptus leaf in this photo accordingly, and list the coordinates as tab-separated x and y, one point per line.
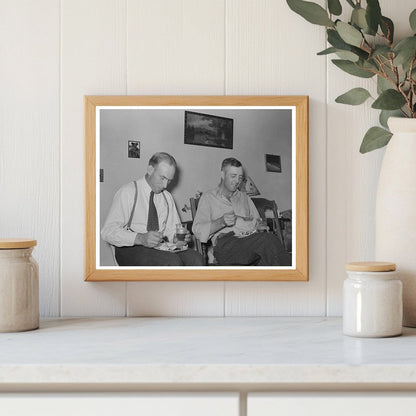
381	50
389	72
358	18
405	43
375	138
349	34
334	7
383	84
389	100
350	56
336	41
347	55
327	51
373	15
405	50
356	96
370	65
387	27
352	68
386	114
412	20
311	12
360	52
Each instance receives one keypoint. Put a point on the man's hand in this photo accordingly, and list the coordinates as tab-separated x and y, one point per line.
188	237
262	226
150	239
229	219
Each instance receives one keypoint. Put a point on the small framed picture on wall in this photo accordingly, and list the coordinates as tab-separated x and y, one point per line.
273	163
134	149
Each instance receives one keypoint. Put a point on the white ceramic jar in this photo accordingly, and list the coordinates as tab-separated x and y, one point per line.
19	286
372	300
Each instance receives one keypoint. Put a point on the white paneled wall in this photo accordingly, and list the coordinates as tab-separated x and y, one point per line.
30	135
55	52
93	61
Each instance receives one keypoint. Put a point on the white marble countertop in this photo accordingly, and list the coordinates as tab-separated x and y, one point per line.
294	352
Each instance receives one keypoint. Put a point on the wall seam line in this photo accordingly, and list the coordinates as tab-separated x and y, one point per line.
225	48
60	161
326	183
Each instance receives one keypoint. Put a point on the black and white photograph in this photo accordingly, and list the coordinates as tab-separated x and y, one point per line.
180	207
236	212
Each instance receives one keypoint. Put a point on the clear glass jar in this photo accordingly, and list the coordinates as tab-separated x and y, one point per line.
372	300
19	286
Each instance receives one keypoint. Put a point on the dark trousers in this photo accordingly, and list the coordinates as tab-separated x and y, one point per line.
144	256
260	249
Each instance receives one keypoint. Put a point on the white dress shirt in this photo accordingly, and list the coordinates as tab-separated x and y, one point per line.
115	231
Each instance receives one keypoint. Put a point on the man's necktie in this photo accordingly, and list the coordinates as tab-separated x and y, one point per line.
152	219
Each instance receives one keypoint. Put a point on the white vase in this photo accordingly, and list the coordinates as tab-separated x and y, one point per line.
396	210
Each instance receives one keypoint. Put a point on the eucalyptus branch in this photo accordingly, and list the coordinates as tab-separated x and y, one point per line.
406	97
384	73
370	70
395	71
366	43
412	87
386	37
374	54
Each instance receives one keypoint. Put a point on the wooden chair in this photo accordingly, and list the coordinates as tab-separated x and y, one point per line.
263	205
201	247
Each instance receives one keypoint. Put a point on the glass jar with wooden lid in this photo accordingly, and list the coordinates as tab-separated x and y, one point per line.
372	298
19	286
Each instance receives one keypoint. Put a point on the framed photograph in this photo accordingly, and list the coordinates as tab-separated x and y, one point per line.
133	149
166	210
208	130
273	163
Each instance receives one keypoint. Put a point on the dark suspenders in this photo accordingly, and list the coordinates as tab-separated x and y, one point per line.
134	207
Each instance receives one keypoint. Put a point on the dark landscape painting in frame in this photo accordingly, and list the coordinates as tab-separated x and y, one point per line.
208	130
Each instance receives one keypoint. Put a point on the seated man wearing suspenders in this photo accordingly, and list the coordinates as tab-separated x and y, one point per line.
143	217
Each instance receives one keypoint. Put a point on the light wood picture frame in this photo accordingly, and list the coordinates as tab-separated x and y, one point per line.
106	121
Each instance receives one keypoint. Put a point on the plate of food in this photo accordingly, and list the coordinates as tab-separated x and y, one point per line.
166	246
245	233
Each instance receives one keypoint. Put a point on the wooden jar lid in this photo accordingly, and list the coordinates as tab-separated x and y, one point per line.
371	266
10	243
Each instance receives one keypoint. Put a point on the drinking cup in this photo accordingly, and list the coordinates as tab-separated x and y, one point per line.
181	232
